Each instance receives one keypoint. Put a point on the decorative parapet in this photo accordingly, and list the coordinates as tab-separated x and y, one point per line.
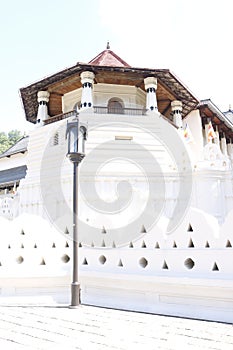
59	117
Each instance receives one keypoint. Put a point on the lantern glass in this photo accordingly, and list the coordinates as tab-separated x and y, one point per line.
83	131
72	134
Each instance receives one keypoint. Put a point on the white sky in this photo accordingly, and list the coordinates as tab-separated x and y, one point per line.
192	38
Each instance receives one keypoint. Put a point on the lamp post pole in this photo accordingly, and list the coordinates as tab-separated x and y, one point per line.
75	285
75	157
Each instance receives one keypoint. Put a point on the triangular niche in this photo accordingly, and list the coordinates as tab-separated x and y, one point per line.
103	230
215	267
207	245
80	245
190	229
103	244
131	245
191	245
42	262
174	245
228	244
143	230
54	245
85	262
67	245
165	267
157	245
120	263
143	244
113	244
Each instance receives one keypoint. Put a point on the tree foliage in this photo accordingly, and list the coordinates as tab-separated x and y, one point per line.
9	139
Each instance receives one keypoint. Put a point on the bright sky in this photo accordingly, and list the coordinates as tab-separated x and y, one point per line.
192	38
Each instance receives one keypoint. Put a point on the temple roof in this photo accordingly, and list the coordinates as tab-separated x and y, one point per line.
108	58
9	176
209	111
108	69
229	115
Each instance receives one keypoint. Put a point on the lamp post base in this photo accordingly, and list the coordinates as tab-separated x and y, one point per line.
75	295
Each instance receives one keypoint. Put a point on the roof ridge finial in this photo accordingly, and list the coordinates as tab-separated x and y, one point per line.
108	46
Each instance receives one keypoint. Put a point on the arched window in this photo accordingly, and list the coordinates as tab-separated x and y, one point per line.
115	106
77	106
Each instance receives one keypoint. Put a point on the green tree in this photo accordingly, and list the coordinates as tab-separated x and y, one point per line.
4	142
14	136
8	140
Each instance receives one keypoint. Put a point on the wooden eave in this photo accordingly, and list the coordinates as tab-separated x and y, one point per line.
210	112
169	87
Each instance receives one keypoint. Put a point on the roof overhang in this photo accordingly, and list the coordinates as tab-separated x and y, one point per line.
169	87
209	111
12	175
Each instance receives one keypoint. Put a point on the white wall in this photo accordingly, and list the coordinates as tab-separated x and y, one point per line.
186	273
35	262
70	99
131	96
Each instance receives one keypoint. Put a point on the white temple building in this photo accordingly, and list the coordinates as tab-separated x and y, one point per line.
155	193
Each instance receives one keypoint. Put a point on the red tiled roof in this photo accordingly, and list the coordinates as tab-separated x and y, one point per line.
108	58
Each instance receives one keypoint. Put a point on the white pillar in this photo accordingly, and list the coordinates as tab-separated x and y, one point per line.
177	113
151	100
223	143
206	134
210	132
87	80
216	139
230	150
43	99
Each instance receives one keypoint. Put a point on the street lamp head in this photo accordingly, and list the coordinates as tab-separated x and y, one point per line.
72	134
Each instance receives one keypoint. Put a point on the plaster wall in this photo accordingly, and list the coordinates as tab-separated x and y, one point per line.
44	158
131	96
70	99
186	273
210	179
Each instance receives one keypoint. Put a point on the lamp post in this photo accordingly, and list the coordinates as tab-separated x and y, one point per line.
73	154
